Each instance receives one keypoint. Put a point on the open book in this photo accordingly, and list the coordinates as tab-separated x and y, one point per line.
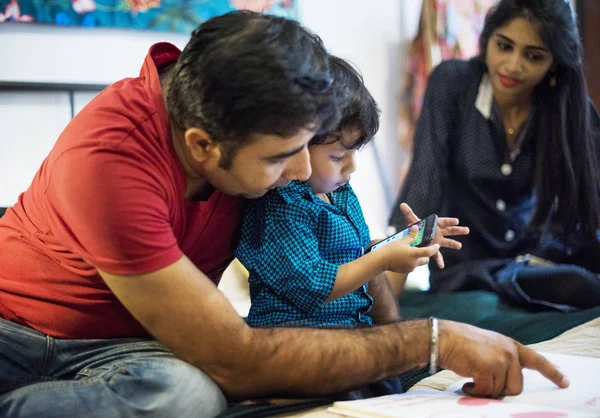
540	398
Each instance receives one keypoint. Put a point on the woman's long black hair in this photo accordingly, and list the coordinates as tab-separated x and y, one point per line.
567	178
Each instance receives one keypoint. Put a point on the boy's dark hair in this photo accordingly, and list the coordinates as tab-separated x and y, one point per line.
359	109
246	73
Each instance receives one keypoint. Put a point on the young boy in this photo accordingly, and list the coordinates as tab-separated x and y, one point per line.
304	244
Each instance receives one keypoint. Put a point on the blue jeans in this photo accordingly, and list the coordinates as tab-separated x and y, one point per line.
45	377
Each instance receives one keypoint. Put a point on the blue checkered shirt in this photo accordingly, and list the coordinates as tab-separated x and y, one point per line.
293	244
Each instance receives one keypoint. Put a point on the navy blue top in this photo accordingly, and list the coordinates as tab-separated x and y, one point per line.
292	244
462	167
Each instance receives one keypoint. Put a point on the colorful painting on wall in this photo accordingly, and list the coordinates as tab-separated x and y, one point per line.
161	15
448	29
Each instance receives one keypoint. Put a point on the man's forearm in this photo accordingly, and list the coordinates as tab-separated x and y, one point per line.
191	317
385	308
282	362
184	310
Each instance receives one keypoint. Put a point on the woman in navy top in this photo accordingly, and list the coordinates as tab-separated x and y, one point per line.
509	143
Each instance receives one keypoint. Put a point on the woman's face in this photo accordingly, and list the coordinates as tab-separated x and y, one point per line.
517	58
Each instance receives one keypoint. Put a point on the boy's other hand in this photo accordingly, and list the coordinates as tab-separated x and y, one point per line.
445	227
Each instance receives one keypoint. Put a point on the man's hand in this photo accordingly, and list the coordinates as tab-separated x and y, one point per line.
445	227
495	362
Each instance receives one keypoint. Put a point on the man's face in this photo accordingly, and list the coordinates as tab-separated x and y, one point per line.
269	161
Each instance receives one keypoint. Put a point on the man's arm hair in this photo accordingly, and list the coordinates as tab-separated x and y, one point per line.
185	311
385	308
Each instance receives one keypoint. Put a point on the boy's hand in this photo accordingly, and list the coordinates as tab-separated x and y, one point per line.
445	227
400	257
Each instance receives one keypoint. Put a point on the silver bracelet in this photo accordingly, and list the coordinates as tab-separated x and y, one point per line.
434	347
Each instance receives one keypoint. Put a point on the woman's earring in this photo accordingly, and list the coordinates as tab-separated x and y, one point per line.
552	81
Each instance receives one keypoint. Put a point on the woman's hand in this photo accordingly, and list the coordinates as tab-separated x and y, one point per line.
445	227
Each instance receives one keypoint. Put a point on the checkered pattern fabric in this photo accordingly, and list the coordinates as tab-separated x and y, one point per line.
293	244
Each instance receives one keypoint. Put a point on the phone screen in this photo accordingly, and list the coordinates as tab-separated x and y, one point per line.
402	234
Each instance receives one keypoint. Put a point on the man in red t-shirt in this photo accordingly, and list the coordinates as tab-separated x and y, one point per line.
110	260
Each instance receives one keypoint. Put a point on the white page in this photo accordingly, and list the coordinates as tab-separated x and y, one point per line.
540	398
435	404
583	394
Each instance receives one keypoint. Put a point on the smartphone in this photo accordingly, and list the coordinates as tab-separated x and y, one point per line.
425	235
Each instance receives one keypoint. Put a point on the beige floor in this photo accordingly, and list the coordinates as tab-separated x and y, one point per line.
234	285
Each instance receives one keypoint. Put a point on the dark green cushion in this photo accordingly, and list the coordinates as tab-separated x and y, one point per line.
2	210
487	310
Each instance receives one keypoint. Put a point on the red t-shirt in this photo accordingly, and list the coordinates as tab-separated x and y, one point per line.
110	195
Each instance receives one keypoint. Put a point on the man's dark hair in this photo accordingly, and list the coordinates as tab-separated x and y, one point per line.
359	109
246	73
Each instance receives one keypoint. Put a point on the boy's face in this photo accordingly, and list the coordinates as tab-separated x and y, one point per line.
332	163
268	162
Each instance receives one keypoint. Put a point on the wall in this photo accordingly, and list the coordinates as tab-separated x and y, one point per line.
32	121
367	33
74	55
